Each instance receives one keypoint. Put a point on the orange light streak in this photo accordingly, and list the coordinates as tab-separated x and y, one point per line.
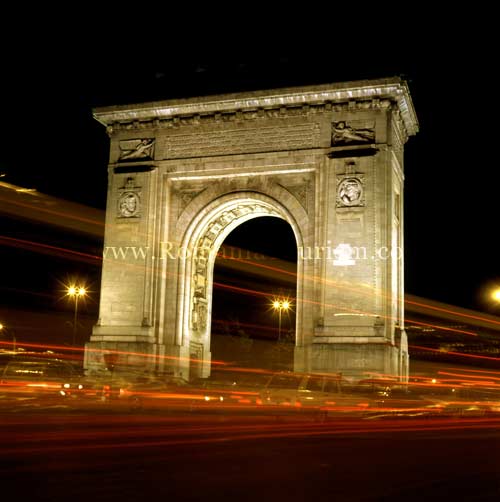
461	354
46	248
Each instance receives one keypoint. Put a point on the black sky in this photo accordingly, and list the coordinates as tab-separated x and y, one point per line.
49	140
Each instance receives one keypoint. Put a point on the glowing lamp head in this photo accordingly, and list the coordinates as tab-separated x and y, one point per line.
76	291
286	304
496	295
1	326
276	304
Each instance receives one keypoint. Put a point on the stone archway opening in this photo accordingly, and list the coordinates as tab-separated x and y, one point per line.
205	239
256	263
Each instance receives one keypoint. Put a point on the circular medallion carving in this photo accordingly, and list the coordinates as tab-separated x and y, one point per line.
350	192
129	204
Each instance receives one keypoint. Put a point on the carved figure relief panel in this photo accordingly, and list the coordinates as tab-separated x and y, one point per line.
351	133
136	149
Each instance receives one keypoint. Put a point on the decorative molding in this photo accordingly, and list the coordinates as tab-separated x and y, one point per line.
306	100
398	138
203	252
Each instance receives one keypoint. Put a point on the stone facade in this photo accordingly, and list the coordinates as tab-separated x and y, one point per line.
183	174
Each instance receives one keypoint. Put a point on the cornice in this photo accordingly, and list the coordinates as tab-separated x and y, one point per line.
393	89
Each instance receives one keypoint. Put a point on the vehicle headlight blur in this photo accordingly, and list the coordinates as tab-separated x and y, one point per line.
66	385
80	386
221	398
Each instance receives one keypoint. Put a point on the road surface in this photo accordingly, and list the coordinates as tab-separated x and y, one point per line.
58	455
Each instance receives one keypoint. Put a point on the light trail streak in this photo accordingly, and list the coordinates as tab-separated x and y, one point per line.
67	253
469	377
349	288
372	291
18	196
264	294
30	245
48	249
37	208
58	251
448	311
488	372
225	435
461	354
106	351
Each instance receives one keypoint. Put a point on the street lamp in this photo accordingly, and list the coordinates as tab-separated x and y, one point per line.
3	329
280	305
76	292
496	295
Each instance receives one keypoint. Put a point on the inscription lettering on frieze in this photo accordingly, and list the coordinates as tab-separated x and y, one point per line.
243	140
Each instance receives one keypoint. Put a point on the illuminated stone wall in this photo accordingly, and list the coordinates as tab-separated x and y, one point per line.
183	174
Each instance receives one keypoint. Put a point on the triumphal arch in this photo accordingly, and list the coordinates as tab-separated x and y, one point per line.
327	159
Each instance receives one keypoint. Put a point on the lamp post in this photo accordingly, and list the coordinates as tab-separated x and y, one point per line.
280	305
76	292
3	329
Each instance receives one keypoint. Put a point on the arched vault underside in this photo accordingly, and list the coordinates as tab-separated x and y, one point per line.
203	238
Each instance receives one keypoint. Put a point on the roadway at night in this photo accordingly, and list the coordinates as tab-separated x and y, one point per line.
56	454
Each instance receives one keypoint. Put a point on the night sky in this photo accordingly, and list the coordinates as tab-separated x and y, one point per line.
49	141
